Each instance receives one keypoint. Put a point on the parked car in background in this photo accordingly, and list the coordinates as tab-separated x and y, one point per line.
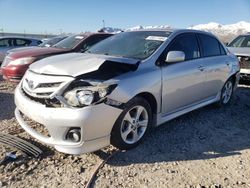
240	46
8	43
48	43
121	87
15	64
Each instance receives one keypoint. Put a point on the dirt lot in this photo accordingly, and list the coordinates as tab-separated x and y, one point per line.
209	147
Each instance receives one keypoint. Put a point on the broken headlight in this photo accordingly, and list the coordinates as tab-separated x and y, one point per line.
85	96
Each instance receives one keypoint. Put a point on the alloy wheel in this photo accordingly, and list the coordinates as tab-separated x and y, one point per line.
134	124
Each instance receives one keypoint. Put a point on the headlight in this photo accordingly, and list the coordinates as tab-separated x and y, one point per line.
22	61
85	96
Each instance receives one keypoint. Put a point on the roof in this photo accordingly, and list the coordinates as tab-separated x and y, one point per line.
175	30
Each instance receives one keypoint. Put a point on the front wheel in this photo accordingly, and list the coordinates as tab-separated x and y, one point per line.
132	125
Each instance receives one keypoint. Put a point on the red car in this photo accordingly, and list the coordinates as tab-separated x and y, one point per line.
16	63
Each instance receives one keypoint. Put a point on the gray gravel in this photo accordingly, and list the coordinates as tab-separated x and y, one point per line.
209	147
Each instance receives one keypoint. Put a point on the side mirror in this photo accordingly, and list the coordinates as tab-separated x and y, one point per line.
175	56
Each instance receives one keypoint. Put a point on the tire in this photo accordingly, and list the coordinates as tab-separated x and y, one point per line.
226	93
130	130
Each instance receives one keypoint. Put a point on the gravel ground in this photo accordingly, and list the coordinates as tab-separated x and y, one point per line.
209	147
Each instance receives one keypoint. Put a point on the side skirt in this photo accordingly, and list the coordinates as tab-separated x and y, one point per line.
164	118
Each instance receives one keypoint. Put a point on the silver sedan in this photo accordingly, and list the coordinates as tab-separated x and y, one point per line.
123	86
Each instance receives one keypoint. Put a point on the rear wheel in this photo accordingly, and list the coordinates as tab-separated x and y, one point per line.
132	125
226	93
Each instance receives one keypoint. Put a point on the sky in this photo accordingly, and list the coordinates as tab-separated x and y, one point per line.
75	16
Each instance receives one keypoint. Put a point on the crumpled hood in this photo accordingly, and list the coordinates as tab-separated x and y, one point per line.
75	64
240	51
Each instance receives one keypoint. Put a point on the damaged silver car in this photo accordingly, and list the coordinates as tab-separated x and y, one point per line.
122	87
240	46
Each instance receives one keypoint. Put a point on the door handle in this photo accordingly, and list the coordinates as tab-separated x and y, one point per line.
201	67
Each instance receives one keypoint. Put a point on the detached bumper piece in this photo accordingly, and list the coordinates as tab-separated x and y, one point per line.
20	144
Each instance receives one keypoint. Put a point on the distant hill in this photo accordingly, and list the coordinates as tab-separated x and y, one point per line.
225	32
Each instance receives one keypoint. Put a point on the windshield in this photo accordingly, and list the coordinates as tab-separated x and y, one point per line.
137	45
51	42
241	41
70	42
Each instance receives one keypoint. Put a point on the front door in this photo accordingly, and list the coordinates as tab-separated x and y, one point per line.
183	82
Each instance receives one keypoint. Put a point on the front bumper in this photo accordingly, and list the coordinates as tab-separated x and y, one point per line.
95	122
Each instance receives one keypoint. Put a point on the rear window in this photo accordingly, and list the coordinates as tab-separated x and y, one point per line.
210	46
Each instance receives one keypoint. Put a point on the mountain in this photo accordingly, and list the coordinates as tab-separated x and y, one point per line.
225	32
139	27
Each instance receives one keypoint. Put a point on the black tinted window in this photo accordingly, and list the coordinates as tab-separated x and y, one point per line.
188	44
21	42
210	46
6	43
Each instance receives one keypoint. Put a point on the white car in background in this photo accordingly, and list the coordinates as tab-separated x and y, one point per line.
240	46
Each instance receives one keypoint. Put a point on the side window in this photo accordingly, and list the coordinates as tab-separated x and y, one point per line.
210	45
91	41
22	42
5	42
188	44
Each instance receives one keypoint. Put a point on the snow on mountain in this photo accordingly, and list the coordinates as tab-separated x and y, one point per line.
111	30
224	32
139	27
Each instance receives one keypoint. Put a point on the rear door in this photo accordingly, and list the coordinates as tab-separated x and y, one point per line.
217	64
182	82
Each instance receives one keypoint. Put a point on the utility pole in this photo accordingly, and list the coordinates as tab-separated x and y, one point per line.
103	24
2	31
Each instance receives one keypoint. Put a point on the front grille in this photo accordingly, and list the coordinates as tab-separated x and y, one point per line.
42	88
36	126
244	62
48	102
48	85
39	90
